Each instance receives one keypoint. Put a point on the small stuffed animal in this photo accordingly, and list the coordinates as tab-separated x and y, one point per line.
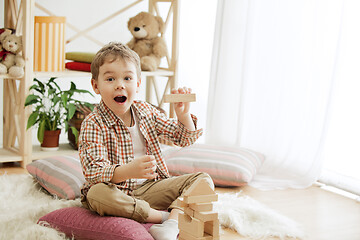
3	33
150	47
11	60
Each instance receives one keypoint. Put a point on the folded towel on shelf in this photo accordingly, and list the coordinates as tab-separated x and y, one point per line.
78	66
85	57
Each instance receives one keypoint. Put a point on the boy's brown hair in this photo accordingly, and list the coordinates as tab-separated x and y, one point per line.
111	52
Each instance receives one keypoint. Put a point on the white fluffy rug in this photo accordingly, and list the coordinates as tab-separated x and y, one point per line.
254	220
23	202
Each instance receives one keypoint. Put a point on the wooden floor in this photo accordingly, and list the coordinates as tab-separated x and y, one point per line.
324	215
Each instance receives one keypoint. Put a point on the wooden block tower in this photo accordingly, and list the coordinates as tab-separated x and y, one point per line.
199	221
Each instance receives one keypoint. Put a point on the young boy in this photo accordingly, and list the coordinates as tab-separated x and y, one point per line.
125	172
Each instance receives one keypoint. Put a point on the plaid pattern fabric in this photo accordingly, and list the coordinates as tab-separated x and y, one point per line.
105	142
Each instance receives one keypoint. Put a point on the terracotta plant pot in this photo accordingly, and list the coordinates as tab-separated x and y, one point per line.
51	140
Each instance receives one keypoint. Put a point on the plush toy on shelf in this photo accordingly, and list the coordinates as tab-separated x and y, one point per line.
3	33
11	60
150	47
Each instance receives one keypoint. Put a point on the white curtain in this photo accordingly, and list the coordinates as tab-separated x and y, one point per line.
341	151
271	84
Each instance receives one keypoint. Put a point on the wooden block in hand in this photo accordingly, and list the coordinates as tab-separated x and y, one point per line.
172	98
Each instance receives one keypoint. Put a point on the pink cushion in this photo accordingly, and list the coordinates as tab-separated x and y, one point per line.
81	223
227	166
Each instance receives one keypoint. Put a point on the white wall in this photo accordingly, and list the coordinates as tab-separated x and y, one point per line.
197	20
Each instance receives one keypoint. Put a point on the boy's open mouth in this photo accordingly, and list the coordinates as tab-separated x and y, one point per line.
120	99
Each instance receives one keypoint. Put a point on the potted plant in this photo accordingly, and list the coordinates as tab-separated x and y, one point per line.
52	110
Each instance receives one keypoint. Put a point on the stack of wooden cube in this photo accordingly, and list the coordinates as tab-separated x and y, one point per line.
199	221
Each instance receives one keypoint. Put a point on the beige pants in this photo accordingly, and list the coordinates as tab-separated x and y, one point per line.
161	195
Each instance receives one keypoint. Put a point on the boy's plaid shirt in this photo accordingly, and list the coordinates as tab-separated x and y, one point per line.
105	142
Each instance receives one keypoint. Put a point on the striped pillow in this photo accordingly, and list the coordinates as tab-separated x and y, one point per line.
228	166
59	175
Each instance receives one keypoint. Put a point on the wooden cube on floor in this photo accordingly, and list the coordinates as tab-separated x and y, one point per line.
199	187
200	192
200	207
201	198
191	225
212	228
188	211
187	236
180	202
206	216
198	222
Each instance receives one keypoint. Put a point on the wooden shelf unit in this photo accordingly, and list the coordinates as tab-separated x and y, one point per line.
17	141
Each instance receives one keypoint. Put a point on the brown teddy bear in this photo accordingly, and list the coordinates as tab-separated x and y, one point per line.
11	60
3	33
145	29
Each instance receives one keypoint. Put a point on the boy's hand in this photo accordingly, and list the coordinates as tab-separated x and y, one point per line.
143	167
182	109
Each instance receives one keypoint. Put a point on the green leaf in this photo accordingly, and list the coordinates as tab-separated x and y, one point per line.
55	124
52	91
41	85
71	111
89	105
70	93
35	87
52	82
41	130
83	91
32	99
55	100
73	86
64	99
32	119
76	133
